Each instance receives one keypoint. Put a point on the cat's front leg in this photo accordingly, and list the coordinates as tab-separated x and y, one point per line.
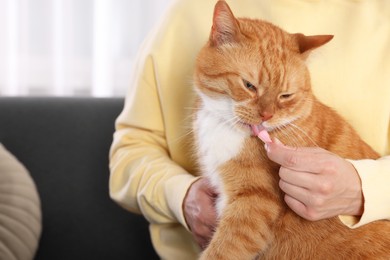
243	232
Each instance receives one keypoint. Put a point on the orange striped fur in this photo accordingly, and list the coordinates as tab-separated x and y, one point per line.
247	71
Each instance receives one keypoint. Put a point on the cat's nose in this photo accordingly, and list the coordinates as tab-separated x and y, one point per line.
266	116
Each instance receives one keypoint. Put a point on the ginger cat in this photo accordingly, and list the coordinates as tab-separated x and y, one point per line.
252	74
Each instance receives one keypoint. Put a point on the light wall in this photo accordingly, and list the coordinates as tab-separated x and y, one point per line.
72	47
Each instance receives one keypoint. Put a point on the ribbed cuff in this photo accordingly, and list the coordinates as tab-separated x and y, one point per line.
175	191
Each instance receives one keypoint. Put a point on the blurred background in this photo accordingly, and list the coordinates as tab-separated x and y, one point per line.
72	47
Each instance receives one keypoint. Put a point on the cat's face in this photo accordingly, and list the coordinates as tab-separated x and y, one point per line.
253	73
249	84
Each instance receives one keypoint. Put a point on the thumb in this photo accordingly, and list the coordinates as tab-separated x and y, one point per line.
284	155
278	142
295	158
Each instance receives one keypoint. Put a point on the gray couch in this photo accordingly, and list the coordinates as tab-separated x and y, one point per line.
64	143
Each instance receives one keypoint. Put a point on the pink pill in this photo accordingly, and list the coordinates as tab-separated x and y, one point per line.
264	136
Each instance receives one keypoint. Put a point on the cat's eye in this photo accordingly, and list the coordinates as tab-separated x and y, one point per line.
249	85
286	95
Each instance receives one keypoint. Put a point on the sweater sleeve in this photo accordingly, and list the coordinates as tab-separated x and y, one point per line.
375	177
143	177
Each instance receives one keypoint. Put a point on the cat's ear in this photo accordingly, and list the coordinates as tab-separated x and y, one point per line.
309	43
225	26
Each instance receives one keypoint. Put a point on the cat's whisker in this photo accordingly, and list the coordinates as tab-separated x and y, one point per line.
236	121
304	133
293	138
232	122
190	108
278	131
185	135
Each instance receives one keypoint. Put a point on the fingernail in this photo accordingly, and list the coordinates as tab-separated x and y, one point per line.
266	146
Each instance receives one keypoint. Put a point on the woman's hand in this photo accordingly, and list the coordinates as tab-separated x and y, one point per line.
199	211
317	183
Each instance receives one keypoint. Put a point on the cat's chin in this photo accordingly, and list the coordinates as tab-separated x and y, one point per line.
244	127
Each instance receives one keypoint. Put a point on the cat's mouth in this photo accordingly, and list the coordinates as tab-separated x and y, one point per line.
256	129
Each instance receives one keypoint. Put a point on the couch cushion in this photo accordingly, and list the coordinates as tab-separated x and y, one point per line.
20	211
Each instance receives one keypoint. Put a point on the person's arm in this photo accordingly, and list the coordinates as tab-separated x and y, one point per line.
143	177
375	179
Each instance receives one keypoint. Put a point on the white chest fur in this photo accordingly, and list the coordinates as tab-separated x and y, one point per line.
218	140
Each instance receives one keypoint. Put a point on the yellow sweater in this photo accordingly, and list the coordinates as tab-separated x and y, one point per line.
150	169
